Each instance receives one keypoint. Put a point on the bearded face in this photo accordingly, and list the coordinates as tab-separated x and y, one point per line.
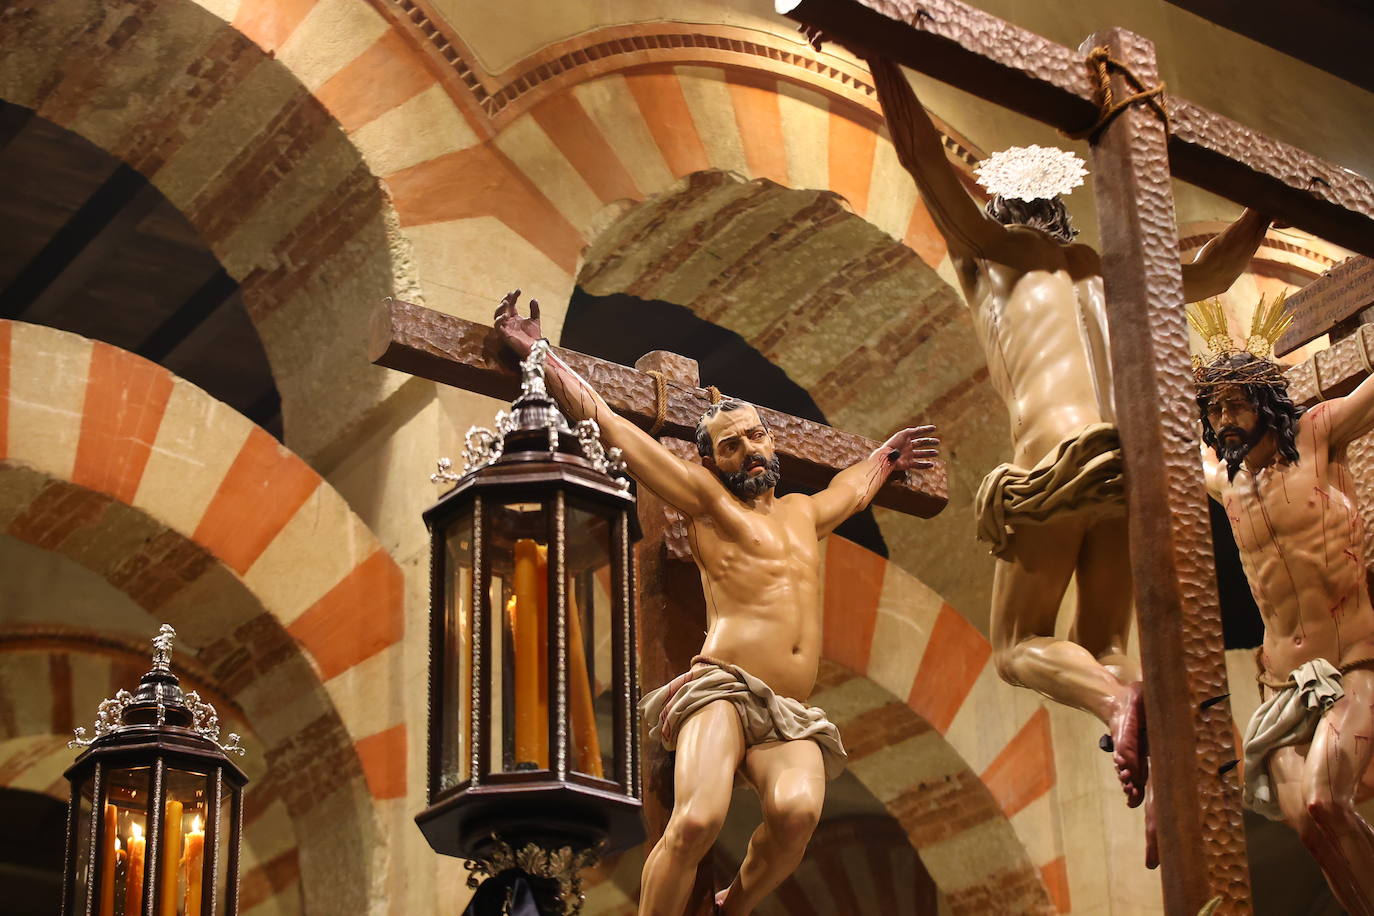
747	483
1237	424
742	452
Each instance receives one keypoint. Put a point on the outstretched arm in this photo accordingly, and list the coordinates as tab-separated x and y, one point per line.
920	149
1224	258
852	489
1348	418
685	486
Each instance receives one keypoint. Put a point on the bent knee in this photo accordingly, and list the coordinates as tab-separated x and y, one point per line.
692	832
1005	659
795	818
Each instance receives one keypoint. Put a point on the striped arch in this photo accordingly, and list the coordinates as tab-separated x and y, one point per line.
203	520
239	144
964	763
78	670
545	180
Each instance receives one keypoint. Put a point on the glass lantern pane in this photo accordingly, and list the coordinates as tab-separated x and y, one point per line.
456	695
81	885
224	844
516	555
180	888
126	809
589	589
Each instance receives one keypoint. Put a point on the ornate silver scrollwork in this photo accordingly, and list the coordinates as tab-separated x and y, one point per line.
562	865
483	446
609	462
445	473
107	719
205	722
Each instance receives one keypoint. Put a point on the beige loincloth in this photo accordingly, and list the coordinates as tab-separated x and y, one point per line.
1082	476
1290	716
765	715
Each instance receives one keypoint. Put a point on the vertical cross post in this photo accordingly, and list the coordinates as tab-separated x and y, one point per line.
1201	835
672	620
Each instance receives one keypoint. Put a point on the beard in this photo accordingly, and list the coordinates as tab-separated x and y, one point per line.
1233	451
746	487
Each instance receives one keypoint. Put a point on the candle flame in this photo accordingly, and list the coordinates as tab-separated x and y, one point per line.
117	846
138	831
195	824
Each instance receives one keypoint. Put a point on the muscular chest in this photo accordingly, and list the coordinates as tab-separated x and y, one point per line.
1288	505
762	542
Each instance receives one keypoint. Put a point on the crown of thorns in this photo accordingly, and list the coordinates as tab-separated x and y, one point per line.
1209	320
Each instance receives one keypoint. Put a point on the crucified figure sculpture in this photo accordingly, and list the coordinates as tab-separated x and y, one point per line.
739	708
1056	511
1282	478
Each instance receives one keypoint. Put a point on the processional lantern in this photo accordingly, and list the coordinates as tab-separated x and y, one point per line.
156	805
533	752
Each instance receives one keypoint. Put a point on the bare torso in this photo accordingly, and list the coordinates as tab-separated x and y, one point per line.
760	571
1301	543
1038	312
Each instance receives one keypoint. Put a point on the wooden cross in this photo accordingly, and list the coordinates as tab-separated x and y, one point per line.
672	609
1201	836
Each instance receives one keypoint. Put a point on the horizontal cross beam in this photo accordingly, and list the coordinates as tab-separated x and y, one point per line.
1333	372
1018	69
1335	296
452	351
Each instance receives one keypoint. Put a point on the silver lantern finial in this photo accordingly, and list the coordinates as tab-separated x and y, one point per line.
532	371
162	648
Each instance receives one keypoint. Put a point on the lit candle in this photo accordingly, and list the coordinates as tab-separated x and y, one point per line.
133	879
110	855
586	740
171	858
194	863
531	728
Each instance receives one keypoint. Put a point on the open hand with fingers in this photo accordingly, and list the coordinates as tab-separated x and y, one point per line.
517	332
916	447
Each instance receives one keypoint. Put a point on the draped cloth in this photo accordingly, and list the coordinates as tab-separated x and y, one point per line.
1081	476
764	715
1290	716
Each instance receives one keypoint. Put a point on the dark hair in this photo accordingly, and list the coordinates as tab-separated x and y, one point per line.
1049	215
1275	408
704	444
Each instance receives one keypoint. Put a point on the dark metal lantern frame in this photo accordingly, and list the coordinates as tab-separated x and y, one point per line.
533	457
166	736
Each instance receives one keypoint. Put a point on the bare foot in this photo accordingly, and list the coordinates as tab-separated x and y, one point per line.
1130	752
719	901
1151	838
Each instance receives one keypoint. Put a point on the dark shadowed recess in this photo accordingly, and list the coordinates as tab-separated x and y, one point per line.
92	247
623	328
1240	616
31	852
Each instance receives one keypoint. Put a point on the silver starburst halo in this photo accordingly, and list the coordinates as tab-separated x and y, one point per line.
1031	172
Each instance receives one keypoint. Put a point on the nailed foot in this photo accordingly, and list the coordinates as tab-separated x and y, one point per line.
718	903
1130	751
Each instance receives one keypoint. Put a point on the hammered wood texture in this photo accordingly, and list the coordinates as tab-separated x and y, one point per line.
1021	70
453	351
1202	841
1338	369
